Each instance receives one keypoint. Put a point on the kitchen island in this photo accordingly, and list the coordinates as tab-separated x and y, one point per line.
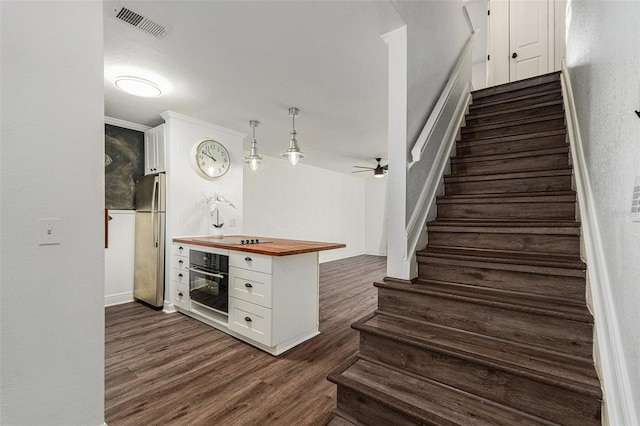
263	291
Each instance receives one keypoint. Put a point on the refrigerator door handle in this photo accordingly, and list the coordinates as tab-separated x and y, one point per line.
154	212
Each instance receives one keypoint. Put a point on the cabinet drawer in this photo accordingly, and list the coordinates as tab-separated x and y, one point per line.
181	263
254	287
250	261
182	297
250	320
180	276
181	249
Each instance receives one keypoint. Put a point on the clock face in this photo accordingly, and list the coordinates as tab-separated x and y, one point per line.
212	158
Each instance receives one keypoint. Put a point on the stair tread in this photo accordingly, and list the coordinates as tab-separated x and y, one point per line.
339	420
506	301
517	85
506	257
424	400
551	367
512	138
512	123
531	300
478	115
462	159
531	96
514	197
509	226
524	297
555	171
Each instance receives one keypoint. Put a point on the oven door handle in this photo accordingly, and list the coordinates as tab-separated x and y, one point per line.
209	274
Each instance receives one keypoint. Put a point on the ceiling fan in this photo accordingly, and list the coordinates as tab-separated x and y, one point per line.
379	171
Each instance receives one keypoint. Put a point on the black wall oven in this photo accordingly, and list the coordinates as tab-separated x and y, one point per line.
209	280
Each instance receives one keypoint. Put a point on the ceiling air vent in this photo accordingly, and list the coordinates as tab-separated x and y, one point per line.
142	23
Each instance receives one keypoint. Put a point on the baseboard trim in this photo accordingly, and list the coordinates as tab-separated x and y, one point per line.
118	299
618	407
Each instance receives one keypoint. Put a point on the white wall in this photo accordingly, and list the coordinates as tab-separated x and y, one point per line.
436	33
187	212
375	217
421	57
604	63
52	166
305	203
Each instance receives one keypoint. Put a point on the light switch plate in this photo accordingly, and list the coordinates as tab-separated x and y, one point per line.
49	231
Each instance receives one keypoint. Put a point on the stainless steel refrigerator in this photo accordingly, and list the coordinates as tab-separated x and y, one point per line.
148	284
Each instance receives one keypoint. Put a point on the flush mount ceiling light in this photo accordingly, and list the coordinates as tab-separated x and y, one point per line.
137	86
293	153
254	159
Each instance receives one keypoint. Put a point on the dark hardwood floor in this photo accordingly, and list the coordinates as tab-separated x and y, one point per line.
169	369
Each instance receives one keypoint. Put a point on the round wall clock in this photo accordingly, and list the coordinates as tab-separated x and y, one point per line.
212	158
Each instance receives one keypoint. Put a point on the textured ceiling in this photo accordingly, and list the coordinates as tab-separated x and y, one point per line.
231	62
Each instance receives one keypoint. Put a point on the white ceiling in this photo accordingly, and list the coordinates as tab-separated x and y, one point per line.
228	62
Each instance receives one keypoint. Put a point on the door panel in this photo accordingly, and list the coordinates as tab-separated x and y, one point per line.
528	39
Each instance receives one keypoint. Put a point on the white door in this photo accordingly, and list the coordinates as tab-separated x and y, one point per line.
528	38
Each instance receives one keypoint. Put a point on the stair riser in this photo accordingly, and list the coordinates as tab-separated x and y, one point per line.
561	244
538	126
509	186
535	100
506	210
566	336
477	149
538	162
369	411
506	116
540	399
479	99
542	284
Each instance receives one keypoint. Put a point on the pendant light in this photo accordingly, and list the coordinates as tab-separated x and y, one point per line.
293	153
254	159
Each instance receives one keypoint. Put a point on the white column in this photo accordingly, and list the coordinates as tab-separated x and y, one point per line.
397	265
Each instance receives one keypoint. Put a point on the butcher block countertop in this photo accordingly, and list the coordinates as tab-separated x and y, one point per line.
274	246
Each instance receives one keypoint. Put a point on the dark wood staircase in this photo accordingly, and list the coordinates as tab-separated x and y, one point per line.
495	330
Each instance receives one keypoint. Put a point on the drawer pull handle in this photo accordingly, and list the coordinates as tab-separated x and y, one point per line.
180	262
247	319
180	294
180	248
248	259
248	285
180	275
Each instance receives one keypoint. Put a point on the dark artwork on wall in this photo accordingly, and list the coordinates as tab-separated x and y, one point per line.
123	165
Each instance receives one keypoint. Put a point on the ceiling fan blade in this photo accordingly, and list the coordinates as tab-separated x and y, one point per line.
362	167
386	167
361	171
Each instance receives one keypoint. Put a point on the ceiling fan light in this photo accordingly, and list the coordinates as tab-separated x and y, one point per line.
137	86
378	173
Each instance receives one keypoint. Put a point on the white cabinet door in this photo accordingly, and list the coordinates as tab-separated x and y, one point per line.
528	39
118	258
160	149
154	150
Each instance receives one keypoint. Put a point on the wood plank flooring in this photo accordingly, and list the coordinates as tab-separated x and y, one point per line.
169	369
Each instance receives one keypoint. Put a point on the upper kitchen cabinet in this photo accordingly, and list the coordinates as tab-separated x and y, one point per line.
154	150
